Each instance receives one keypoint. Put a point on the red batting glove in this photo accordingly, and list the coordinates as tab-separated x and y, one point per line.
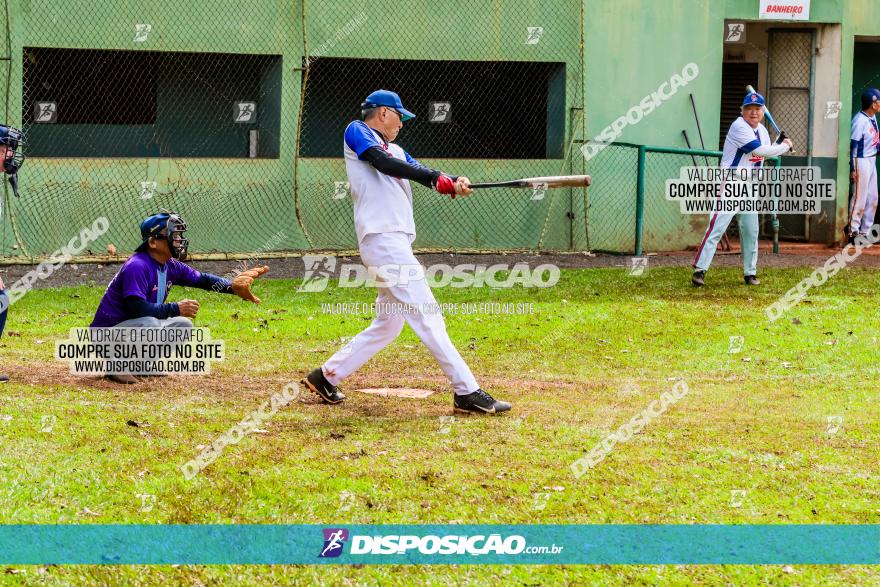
445	185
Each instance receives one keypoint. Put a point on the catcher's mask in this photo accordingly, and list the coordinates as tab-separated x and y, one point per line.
167	226
13	159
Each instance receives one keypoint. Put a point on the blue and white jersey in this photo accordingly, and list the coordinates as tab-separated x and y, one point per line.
381	203
865	137
740	143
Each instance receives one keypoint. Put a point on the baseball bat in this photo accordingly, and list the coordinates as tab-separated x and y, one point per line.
699	128
853	198
781	136
551	181
687	141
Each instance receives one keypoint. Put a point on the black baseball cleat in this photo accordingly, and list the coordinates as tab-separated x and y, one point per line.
317	383
752	280
699	278
479	402
4	378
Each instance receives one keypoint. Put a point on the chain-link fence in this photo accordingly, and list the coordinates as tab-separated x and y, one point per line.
491	108
233	116
611	211
789	96
135	107
790	82
665	227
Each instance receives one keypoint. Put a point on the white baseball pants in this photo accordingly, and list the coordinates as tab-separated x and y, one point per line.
389	249
748	240
864	205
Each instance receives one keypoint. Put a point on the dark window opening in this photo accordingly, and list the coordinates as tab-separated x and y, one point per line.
100	103
482	109
734	79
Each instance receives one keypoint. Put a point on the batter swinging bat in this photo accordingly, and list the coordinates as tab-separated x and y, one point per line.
781	134
552	181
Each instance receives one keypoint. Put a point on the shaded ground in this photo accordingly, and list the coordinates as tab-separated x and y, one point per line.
790	255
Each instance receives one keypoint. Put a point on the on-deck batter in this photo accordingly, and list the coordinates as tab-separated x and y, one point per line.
864	142
378	172
746	145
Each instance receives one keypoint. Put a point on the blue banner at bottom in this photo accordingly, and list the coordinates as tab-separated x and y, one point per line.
440	544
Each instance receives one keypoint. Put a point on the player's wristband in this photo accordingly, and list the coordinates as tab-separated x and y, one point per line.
445	185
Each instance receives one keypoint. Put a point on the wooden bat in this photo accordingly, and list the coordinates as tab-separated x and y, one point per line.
552	181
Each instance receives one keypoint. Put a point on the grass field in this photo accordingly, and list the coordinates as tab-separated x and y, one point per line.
784	431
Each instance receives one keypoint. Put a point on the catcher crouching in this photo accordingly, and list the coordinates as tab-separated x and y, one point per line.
137	294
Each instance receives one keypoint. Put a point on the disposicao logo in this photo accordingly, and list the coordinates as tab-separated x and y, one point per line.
446	545
334	541
476	545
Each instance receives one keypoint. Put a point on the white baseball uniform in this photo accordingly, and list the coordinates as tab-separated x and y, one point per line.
383	218
744	147
864	143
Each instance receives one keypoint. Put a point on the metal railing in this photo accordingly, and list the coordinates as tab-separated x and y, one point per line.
643	151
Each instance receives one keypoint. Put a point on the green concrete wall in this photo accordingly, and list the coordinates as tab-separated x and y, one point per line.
615	53
219	196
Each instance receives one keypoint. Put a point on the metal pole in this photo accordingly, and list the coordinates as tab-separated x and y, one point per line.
640	200
810	93
776	218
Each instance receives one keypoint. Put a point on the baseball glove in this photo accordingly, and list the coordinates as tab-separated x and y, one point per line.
241	284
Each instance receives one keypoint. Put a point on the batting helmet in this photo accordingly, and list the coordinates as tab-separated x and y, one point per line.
869	96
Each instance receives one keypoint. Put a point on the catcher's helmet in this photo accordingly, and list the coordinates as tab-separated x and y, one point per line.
174	227
13	159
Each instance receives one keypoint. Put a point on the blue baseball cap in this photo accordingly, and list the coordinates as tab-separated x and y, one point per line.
388	99
869	96
151	227
753	99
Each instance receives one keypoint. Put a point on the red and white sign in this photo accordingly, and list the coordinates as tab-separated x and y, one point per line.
785	10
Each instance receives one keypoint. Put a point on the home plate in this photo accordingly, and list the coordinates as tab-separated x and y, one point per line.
399	392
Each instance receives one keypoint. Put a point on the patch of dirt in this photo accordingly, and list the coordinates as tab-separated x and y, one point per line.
402	392
247	389
214	385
